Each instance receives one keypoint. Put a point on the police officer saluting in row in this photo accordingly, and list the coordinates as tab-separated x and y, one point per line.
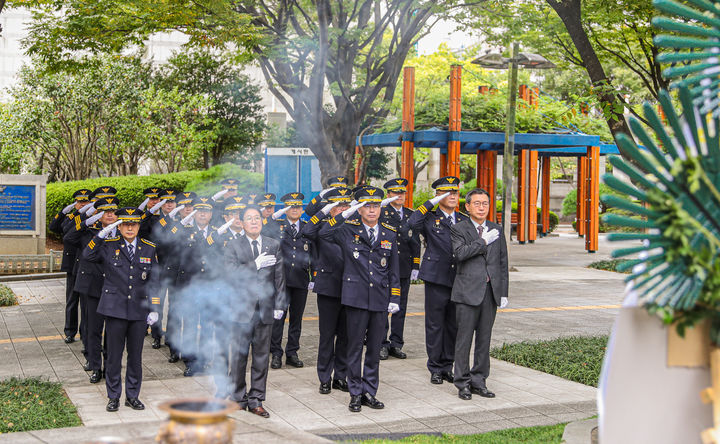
128	300
438	272
316	203
327	268
370	289
396	214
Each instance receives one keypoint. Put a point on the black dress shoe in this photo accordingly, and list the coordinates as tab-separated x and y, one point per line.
484	392
276	362
69	339
436	378
325	388
340	384
448	376
294	361
396	352
135	404
189	371
372	402
156	343
355	403
260	411
112	405
383	353
96	376
86	366
465	394
173	358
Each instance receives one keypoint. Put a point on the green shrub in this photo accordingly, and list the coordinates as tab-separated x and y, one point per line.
7	296
130	188
609	265
33	404
569	204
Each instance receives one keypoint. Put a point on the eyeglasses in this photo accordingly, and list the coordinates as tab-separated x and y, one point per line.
252	219
479	203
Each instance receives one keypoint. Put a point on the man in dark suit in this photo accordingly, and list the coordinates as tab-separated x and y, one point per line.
395	213
327	268
481	284
129	301
296	257
370	290
254	266
438	272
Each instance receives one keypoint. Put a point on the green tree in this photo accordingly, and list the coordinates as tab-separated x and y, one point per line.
237	116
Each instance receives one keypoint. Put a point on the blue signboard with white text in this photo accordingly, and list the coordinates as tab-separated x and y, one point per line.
17	207
289	170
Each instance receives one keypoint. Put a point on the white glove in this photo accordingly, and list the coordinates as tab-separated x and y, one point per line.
86	207
68	208
311	286
277	314
107	230
436	200
91	220
152	318
279	213
188	218
91	211
388	200
353	202
264	260
414	275
503	302
144	204
326	209
176	210
393	308
325	191
490	236
225	226
157	206
350	211
219	194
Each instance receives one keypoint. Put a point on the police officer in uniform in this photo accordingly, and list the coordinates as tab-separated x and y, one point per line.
228	191
266	202
129	301
296	250
438	272
316	203
62	221
395	213
371	289
327	268
150	206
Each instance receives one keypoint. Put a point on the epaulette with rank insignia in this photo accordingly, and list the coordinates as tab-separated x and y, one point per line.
188	226
388	226
147	242
352	222
162	222
110	239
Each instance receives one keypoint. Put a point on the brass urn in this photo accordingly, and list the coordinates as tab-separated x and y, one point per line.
197	421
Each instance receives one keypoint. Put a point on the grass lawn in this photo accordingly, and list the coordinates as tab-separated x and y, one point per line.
32	404
525	435
609	265
577	358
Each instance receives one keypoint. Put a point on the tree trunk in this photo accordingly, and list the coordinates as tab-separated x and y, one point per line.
570	12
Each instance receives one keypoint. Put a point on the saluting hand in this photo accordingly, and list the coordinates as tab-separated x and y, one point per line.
325	191
176	210
326	209
436	200
68	208
219	194
389	200
350	211
91	220
86	207
225	226
107	230
276	215
186	220
157	206
144	204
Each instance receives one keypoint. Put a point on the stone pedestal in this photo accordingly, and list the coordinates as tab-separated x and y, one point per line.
22	214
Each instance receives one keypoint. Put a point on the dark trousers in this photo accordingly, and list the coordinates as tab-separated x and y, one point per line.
440	327
297	298
477	319
173	326
71	306
83	301
245	335
332	347
95	324
167	278
397	323
121	332
364	377
156	329
196	334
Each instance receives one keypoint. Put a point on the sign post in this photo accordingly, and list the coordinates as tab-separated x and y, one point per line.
22	214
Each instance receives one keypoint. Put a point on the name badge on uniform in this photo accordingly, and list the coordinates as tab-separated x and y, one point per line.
386	244
356	254
143	276
145	260
409	233
437	222
305	247
356	239
383	262
117	253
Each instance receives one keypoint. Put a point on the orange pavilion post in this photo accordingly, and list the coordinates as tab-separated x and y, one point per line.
592	214
453	154
408	126
532	195
545	194
522	197
581	193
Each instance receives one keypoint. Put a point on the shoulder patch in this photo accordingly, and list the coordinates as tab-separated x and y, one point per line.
145	241
388	226
352	222
111	239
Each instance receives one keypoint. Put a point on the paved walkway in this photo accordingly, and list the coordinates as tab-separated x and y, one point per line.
551	295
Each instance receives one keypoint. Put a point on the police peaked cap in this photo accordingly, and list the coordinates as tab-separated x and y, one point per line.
185	198
337	181
266	200
447	183
101	192
398	185
82	194
168	194
202	203
341	194
230	184
107	204
129	214
235	203
152	192
293	199
370	194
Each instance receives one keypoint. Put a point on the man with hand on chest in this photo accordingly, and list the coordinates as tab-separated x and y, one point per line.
296	257
129	301
370	289
481	285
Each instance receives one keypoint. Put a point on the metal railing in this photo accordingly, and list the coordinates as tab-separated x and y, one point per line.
30	263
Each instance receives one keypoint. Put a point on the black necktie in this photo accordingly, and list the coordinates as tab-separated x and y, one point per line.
450	220
480	230
372	235
293	230
256	253
131	251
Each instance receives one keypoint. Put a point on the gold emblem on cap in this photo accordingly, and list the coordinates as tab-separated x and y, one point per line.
370	191
294	195
105	190
109	200
130	210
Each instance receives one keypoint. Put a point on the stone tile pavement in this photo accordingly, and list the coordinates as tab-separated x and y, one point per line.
551	295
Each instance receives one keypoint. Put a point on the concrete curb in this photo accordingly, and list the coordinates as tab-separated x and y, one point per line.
579	432
32	277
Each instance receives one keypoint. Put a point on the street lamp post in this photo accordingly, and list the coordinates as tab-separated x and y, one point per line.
497	61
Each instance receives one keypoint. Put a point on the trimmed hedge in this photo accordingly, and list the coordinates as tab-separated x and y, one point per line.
130	188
